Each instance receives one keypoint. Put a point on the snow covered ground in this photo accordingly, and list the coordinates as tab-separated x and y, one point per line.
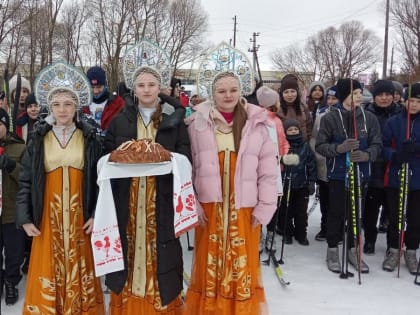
315	290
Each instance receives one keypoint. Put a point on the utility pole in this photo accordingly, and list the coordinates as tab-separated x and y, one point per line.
386	41
234	31
255	47
392	63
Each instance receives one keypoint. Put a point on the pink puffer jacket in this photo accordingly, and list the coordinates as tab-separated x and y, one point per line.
256	168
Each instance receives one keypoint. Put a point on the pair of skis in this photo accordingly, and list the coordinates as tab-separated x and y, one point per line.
271	253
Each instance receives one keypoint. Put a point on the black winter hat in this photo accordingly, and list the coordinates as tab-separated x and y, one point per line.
291	123
383	86
289	81
4	118
30	99
96	76
415	91
344	88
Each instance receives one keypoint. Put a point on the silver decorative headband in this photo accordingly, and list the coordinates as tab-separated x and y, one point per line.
60	75
226	58
146	54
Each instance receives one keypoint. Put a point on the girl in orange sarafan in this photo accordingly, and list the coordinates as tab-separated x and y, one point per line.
57	197
235	173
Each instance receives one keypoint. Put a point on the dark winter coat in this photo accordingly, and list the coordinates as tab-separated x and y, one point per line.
29	201
394	134
379	166
335	128
13	148
172	135
305	171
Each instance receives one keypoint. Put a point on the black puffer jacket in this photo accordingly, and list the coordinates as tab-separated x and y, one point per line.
173	136
29	200
379	166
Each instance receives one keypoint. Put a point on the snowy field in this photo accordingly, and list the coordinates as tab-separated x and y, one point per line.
315	290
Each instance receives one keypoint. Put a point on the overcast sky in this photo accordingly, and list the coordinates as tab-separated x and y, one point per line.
282	23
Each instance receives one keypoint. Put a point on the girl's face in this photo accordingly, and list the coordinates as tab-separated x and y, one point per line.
147	89
292	131
397	97
414	105
226	94
63	108
33	111
317	93
357	98
289	95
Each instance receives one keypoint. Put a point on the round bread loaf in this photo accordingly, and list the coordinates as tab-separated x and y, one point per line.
140	151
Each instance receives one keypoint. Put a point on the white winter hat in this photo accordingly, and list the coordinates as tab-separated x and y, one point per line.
267	97
24	85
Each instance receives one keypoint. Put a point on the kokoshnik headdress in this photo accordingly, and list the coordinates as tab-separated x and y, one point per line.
146	54
62	76
225	58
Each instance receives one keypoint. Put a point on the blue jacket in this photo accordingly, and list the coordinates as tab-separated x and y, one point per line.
379	166
394	134
335	128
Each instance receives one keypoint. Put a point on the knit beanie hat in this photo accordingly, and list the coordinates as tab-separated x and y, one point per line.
398	87
96	76
289	81
415	91
267	97
4	118
332	91
315	84
344	88
30	99
24	84
291	123
383	86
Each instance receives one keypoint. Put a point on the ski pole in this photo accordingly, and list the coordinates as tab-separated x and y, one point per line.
190	247
404	182
283	240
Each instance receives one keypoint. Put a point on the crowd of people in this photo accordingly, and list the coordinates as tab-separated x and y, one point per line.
255	165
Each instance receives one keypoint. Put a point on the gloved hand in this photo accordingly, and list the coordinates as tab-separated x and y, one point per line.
311	188
359	156
6	163
347	145
401	157
290	159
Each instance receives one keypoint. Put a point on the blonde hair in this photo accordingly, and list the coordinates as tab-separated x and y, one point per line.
222	75
149	70
63	90
239	113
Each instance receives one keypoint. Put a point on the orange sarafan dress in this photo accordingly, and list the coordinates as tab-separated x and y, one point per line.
61	277
226	276
140	294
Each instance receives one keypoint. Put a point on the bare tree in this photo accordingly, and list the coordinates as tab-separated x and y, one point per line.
179	30
406	17
53	8
74	17
112	30
332	53
10	17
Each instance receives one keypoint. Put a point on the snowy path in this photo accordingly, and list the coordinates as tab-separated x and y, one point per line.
315	290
